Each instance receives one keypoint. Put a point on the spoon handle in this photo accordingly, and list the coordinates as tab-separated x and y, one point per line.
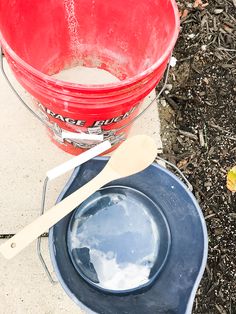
40	225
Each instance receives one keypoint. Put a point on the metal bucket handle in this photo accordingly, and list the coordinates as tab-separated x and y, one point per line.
54	127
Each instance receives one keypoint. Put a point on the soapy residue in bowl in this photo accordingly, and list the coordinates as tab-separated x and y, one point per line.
121	242
86	75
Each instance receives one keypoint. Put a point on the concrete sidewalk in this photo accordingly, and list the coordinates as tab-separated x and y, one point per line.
26	155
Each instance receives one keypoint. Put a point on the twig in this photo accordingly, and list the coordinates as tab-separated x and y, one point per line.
231	16
226	49
188	134
184	98
208	271
209	216
217	127
201	138
185	59
171	102
220	309
199	191
205	136
196	70
231	138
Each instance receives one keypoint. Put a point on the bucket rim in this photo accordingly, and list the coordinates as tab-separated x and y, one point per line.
115	85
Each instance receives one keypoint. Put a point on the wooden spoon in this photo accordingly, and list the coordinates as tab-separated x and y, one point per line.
132	156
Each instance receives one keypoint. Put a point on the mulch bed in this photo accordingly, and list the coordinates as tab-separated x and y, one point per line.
200	112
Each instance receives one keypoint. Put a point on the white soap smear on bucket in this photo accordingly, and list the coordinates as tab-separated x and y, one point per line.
85	75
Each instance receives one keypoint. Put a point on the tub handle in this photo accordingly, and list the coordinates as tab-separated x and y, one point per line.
58	171
189	185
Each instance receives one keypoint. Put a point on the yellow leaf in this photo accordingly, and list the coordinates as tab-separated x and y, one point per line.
231	179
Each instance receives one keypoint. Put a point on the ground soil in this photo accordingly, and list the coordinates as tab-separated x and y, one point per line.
199	136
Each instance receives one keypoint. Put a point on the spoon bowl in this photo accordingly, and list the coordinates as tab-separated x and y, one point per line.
133	155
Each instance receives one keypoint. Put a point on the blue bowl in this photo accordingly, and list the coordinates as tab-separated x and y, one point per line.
146	228
118	240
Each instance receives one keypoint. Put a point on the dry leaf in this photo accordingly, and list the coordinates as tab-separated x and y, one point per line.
182	163
198	4
185	13
231	179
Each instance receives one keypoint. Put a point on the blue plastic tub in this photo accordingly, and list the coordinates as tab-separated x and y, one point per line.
180	249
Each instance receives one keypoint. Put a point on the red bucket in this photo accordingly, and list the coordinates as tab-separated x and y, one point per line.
130	39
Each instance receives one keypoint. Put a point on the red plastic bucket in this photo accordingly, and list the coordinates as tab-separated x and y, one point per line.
131	39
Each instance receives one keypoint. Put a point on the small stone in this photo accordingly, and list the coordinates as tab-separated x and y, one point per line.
204	47
232	215
169	87
218	231
207	184
173	62
218	11
163	102
191	36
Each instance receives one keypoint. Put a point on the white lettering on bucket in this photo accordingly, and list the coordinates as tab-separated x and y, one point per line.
114	120
98	123
60	117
